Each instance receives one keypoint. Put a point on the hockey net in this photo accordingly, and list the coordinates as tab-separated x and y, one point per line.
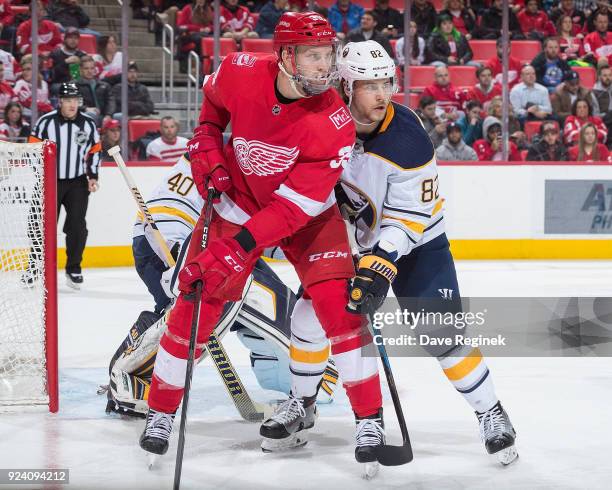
28	291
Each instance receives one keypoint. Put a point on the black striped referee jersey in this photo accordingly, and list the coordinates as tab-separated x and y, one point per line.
77	140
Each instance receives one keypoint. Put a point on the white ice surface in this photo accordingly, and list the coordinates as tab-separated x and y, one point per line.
561	408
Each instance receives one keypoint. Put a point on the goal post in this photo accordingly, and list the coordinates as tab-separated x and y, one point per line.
28	275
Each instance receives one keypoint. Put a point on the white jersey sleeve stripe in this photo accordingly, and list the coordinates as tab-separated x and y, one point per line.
309	206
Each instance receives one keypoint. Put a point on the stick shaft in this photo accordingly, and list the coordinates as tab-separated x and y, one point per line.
142	205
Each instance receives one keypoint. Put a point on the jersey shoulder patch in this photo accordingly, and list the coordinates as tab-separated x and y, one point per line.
403	142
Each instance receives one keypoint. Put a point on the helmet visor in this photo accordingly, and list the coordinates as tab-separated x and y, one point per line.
316	67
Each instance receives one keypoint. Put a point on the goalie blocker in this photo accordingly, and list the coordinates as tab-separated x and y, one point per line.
261	319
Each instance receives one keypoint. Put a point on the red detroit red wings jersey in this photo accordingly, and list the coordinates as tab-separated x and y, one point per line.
283	159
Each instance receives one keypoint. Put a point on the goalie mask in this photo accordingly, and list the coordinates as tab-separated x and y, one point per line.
311	45
367	61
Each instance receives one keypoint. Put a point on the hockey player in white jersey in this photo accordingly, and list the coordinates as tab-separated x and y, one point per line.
175	206
261	319
389	193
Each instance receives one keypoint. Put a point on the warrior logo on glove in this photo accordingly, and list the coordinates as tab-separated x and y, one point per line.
375	273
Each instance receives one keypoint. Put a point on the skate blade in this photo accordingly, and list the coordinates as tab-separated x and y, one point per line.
296	440
73	285
370	470
151	460
507	456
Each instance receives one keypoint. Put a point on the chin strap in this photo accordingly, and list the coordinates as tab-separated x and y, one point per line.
291	81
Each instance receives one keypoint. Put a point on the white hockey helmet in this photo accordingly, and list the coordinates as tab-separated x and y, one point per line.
366	60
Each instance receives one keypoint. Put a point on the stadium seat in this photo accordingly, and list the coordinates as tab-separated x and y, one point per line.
20	9
397	4
421	77
258	45
87	43
227	46
255	16
438	4
483	49
140	127
462	75
393	42
588	75
328	3
525	50
532	128
524	154
413	101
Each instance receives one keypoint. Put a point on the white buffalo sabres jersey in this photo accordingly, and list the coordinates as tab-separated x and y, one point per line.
389	189
175	204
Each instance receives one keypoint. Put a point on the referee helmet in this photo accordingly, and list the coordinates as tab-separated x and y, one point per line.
69	90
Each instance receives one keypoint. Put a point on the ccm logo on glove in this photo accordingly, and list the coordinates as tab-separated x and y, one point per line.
233	264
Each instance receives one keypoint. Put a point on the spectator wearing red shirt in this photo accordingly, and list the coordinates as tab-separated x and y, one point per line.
490	146
236	21
577	17
448	98
23	89
7	93
14	128
193	22
570	44
11	67
514	66
534	22
464	18
7	21
485	89
588	149
581	115
598	44
49	36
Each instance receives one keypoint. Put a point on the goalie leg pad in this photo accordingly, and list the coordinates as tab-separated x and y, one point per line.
141	341
128	393
269	360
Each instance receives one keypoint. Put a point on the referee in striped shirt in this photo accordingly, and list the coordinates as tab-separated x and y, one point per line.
78	160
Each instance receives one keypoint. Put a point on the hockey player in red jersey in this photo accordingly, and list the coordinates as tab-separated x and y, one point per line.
291	137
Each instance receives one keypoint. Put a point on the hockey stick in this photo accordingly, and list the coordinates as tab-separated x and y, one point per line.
392	455
248	409
195	320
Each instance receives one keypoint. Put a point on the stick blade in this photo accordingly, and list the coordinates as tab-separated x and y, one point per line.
394	455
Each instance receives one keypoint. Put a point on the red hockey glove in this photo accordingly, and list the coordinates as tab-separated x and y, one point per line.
222	260
207	159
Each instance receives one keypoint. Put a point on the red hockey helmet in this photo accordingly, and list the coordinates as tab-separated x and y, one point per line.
303	28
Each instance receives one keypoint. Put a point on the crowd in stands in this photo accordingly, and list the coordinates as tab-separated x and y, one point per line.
555	112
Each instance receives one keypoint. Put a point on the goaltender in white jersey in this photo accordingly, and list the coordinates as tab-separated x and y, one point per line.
175	204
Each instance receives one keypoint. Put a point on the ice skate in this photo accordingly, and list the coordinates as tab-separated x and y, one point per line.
288	427
498	434
73	280
156	435
369	435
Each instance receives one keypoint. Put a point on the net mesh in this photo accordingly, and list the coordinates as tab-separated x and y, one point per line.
22	287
